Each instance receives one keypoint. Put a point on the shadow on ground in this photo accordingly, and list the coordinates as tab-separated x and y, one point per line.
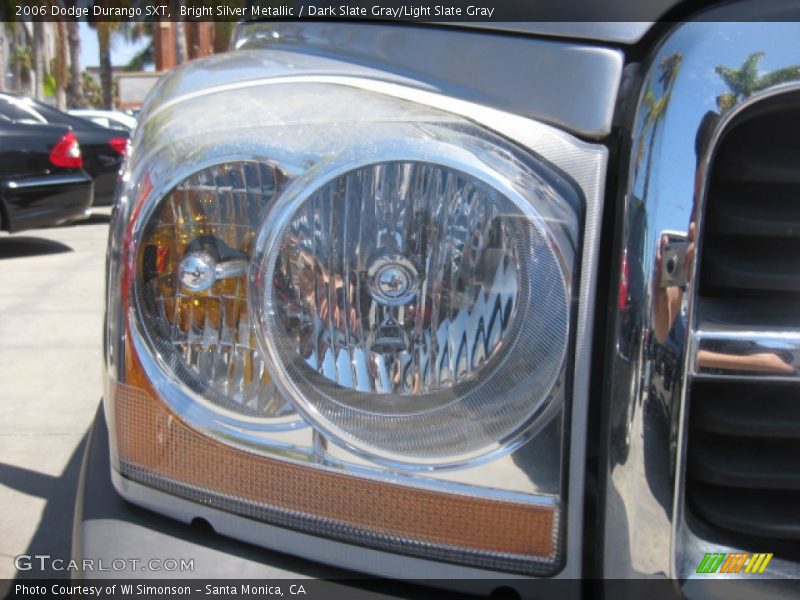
96	218
16	247
53	536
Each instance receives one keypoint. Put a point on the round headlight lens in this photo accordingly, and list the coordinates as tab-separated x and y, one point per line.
412	308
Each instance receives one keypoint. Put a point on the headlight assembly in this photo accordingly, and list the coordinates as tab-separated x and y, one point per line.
355	321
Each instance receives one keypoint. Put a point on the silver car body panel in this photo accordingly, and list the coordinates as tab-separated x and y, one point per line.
570	85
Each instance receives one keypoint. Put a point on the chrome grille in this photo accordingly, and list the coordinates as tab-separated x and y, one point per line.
743	455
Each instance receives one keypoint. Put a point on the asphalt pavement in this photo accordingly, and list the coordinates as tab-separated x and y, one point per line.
51	307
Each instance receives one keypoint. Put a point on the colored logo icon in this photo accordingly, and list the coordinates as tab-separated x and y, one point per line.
735	562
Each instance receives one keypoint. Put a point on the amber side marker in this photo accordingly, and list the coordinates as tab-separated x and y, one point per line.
153	439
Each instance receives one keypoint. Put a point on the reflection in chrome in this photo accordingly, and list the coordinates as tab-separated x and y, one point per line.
199	270
194	290
765	355
683	106
413	227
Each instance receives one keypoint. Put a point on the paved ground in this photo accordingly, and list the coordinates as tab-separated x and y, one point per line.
51	302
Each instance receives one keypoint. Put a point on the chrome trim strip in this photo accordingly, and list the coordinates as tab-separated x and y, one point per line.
646	528
765	355
54	180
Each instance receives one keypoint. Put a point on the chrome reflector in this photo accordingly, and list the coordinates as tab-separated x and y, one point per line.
398	278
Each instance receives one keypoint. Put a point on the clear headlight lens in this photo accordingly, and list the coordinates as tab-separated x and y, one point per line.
413	308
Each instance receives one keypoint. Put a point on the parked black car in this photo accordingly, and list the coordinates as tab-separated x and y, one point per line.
42	181
103	149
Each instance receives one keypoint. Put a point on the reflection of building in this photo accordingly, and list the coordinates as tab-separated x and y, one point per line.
131	87
134	87
201	40
94	73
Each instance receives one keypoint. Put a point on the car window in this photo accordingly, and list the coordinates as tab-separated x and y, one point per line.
18	112
101	121
52	115
118	125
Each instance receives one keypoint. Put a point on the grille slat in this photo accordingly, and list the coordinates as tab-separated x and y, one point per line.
758	464
766	265
733	509
763	412
776	213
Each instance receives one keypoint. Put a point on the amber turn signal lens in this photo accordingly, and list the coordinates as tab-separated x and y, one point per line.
155	446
